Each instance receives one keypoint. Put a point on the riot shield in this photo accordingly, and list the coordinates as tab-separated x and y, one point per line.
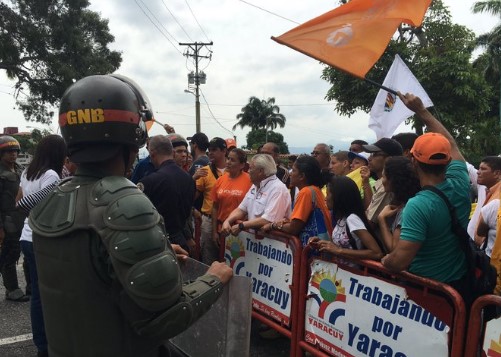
225	329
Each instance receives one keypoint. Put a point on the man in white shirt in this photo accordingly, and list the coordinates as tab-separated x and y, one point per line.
268	200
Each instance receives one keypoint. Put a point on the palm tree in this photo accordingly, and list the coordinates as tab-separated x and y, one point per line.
492	6
491	41
260	113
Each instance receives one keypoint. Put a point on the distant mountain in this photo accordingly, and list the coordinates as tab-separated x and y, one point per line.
337	144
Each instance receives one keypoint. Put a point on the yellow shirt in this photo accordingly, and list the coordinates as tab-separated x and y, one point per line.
496	252
204	186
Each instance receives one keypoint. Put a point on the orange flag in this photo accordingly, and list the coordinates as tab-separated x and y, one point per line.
353	36
149	124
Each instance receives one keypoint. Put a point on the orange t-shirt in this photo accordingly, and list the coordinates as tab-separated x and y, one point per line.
303	206
228	193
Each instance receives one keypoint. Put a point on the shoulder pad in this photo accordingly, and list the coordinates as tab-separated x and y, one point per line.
8	176
133	246
131	212
109	189
56	213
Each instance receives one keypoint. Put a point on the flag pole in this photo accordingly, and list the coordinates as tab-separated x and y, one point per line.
381	86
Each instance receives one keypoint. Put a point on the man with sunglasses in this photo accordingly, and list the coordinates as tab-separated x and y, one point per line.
322	153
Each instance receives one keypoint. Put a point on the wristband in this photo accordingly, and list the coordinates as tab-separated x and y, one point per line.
241	226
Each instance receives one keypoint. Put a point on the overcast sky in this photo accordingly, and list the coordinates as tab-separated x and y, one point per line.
245	62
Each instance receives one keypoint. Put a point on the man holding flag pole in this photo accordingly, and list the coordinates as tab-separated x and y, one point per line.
387	113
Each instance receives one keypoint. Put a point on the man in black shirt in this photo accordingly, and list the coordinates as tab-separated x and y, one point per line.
170	189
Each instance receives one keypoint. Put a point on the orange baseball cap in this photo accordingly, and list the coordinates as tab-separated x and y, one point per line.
432	149
231	143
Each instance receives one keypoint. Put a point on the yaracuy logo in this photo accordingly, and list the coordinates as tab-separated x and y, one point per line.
329	290
234	251
390	102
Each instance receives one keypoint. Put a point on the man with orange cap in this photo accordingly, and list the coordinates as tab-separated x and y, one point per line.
428	247
230	144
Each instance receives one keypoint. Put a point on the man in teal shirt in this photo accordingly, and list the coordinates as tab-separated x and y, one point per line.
427	245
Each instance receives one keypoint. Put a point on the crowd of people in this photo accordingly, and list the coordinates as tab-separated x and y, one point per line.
367	202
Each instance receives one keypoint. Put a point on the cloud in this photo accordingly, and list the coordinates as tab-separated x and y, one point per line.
245	62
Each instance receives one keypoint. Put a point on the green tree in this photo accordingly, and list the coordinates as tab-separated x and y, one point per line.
489	62
29	143
257	137
47	44
259	114
439	54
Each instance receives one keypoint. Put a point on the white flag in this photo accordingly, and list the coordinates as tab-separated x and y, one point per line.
388	111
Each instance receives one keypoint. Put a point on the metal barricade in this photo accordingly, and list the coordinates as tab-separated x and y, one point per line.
273	262
484	334
364	309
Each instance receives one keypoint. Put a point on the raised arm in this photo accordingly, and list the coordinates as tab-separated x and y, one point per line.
432	124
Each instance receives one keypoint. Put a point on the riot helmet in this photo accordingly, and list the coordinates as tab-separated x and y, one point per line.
177	140
8	143
100	114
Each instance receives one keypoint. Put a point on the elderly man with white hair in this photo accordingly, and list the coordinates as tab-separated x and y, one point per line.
268	199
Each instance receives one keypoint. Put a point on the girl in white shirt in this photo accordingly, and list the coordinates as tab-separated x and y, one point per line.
352	236
44	170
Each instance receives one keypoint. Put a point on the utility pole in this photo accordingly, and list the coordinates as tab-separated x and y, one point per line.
195	48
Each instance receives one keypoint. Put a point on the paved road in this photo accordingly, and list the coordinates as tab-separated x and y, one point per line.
15	324
15	331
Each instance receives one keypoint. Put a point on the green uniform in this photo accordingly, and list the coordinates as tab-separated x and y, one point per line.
11	221
109	280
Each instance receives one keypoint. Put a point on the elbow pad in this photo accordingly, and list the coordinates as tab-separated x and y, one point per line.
198	296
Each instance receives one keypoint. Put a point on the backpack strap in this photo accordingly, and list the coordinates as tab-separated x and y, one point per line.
456	227
352	240
214	170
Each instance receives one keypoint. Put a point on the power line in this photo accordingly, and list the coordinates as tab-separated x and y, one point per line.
163	34
158	21
269	12
175	19
213	117
189	7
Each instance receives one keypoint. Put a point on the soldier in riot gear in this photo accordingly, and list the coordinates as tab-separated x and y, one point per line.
11	220
109	279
